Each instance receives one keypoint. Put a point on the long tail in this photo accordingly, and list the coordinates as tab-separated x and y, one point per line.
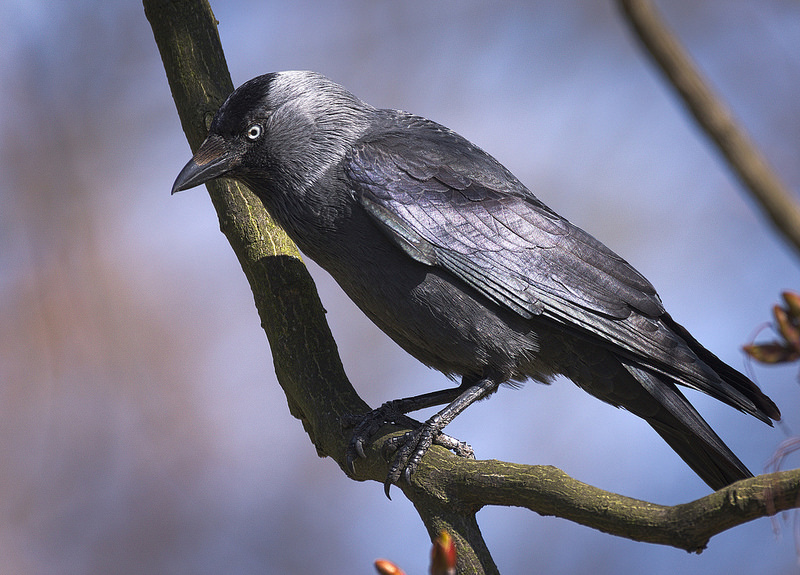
687	433
735	386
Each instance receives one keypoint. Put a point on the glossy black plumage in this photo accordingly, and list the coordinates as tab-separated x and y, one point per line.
457	261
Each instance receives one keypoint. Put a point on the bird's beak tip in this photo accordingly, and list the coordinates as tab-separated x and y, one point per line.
211	161
183	181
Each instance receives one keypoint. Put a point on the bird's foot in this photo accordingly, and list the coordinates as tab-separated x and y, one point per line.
366	426
408	449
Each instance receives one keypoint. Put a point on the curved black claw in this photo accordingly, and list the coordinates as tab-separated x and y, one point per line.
412	446
367	426
408	449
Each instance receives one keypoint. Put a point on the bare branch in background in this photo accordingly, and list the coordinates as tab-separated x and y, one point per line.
716	120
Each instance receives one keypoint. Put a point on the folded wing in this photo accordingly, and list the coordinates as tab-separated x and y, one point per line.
447	203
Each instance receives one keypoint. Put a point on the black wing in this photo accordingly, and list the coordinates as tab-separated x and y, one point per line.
447	203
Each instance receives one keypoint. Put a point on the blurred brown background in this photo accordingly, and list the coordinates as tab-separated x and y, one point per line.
141	427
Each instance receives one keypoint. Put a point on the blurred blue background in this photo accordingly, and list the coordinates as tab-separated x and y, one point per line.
141	426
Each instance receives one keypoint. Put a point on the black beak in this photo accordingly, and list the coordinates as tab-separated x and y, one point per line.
212	160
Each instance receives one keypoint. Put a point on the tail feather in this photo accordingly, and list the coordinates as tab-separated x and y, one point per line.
688	434
716	468
762	406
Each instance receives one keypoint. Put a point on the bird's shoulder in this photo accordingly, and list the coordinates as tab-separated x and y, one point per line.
424	150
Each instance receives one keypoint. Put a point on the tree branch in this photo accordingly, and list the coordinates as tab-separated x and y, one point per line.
447	491
549	491
780	207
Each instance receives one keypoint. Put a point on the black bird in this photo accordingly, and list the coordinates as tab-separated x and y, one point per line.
462	266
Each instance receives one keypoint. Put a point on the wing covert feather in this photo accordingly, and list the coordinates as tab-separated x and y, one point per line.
510	246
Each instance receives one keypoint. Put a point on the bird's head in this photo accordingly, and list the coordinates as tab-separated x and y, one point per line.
281	129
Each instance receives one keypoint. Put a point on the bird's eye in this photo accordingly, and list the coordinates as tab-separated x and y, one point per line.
254	132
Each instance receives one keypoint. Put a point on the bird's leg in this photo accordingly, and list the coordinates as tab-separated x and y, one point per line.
412	446
395	412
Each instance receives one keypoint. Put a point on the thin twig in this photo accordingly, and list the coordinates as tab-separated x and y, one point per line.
759	179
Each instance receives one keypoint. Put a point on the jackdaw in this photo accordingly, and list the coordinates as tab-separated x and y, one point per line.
459	263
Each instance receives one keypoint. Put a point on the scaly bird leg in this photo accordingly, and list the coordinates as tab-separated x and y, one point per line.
411	447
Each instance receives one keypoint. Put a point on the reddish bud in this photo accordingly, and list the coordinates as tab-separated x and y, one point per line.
385	567
443	555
